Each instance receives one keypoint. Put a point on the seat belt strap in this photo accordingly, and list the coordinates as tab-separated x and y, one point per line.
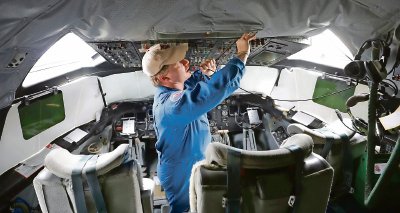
347	161
77	185
327	147
94	186
329	140
299	164
233	181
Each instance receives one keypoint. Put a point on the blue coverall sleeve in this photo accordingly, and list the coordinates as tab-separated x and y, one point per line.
188	105
194	79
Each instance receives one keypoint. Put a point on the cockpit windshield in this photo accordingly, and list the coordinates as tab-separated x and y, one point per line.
66	55
325	49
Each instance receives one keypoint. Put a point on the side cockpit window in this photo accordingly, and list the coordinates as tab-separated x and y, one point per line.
43	110
68	54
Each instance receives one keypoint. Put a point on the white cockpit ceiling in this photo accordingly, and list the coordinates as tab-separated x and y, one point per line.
29	28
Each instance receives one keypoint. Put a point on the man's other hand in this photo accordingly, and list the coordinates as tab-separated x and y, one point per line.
208	67
243	46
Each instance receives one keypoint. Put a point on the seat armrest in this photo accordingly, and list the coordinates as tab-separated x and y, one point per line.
147	195
147	200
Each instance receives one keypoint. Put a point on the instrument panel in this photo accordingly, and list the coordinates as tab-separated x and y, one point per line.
140	116
264	51
232	115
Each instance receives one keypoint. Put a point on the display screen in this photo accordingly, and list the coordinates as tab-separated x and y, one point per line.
128	126
41	114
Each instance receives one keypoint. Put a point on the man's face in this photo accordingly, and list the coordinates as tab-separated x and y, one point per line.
178	72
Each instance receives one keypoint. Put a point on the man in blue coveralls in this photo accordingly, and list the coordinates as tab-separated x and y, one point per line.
180	108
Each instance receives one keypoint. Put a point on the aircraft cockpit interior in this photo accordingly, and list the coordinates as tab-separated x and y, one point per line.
313	127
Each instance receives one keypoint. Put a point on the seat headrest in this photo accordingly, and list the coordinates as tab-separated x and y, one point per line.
333	130
61	162
218	153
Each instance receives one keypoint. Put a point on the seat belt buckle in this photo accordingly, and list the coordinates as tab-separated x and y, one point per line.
225	201
291	200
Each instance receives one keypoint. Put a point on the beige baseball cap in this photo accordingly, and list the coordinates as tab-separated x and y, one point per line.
160	54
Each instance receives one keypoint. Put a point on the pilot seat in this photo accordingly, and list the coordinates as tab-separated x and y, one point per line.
288	179
109	182
340	146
